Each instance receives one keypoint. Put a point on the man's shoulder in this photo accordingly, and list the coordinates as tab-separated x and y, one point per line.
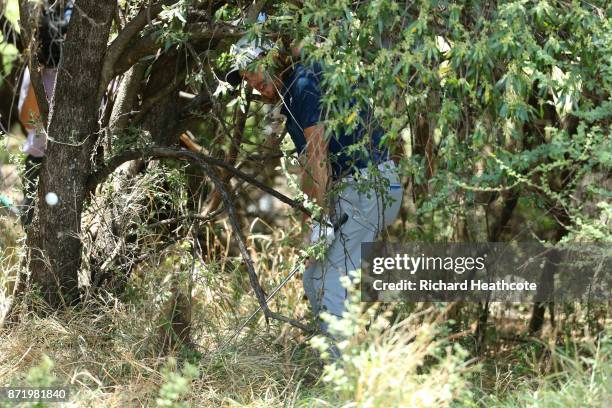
311	71
304	79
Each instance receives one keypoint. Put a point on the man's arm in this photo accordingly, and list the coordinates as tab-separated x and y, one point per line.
315	174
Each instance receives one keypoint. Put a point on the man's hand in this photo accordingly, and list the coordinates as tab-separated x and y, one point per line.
322	232
306	234
309	262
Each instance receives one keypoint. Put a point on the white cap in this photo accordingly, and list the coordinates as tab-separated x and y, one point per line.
244	52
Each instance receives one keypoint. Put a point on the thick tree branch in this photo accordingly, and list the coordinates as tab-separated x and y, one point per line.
148	44
121	42
126	97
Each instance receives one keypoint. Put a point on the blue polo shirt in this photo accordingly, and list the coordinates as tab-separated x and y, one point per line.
302	107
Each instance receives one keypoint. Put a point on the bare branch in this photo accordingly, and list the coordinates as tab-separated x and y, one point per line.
231	156
259	293
162	152
204	162
203	219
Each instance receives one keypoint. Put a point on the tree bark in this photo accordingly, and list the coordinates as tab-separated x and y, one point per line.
54	243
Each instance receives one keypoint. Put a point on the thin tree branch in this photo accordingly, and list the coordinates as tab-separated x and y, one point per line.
259	293
231	156
204	219
162	152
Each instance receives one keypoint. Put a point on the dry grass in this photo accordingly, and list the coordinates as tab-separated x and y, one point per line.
108	352
108	348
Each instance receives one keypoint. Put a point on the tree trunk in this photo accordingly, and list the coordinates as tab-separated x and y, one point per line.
54	243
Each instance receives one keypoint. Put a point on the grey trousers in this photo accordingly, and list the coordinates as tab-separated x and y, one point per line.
371	203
